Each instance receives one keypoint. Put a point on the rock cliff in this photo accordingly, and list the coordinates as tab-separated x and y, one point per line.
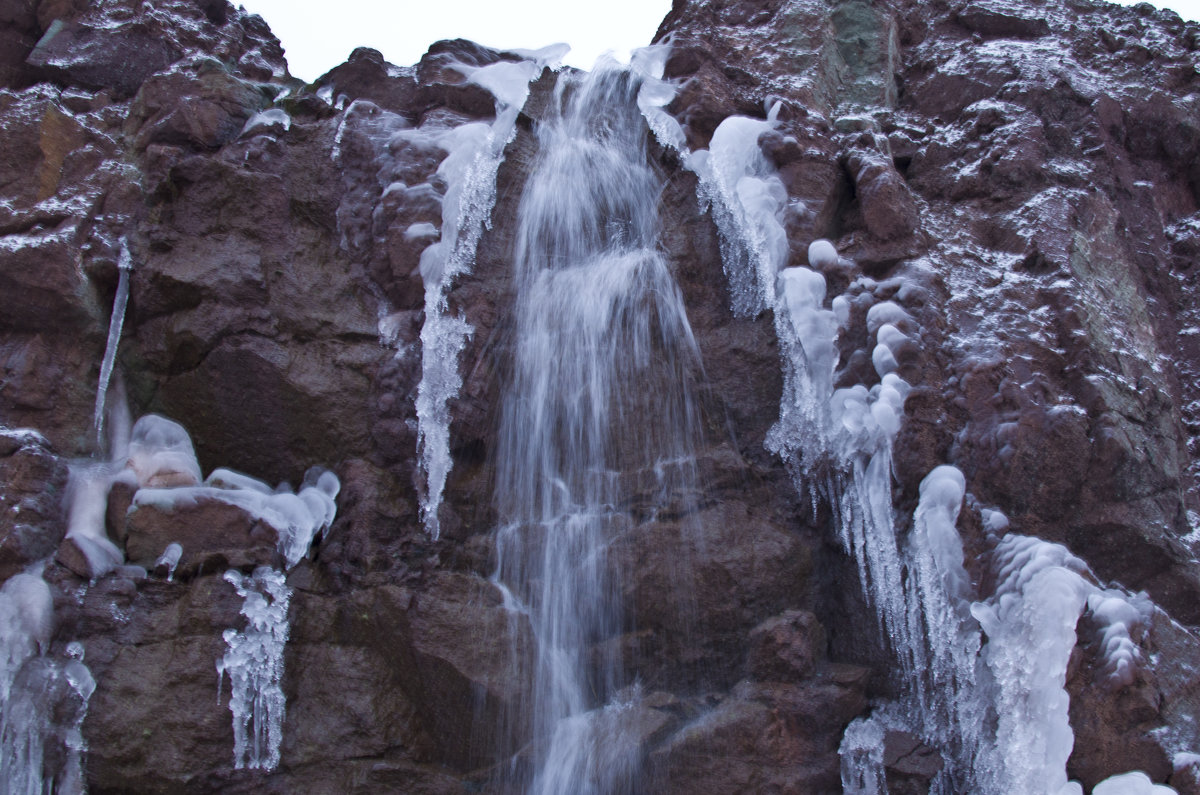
1021	178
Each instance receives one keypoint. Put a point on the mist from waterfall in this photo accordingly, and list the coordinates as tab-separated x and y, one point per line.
599	399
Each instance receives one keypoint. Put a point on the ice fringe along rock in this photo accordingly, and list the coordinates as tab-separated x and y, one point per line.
469	173
254	662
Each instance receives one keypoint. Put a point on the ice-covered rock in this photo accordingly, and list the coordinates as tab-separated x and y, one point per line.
161	454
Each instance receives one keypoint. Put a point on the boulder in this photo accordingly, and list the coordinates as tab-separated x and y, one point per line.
215	535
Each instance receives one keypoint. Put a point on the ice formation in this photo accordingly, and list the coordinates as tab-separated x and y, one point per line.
169	559
115	323
862	757
43	700
161	454
164	464
87	499
747	200
26	622
469	173
41	738
837	444
1135	783
822	255
254	662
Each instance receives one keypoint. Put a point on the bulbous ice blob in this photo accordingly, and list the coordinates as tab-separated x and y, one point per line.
884	360
885	312
822	255
1119	617
1135	783
169	559
161	454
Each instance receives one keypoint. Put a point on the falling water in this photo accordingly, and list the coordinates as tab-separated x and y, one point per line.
599	399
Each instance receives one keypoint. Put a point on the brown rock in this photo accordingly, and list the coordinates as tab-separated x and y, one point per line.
201	108
75	54
214	534
787	647
909	764
33	483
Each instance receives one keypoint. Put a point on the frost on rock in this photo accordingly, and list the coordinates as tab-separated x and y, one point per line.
254	662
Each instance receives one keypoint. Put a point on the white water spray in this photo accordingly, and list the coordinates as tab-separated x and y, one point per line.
600	386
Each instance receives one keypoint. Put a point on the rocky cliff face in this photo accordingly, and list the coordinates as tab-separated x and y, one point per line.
1022	179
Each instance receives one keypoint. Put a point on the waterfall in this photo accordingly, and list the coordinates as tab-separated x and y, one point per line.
599	397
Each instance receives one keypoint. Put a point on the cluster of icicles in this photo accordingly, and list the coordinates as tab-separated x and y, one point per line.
161	462
995	709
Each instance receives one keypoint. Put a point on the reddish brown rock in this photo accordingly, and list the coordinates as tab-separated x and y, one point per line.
787	647
33	485
75	54
214	534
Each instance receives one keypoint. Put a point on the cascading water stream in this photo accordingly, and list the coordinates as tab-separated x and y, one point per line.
599	398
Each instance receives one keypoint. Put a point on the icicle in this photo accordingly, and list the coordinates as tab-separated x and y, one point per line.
469	171
861	753
254	662
115	323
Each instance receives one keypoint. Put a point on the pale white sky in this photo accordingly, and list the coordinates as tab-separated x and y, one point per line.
318	35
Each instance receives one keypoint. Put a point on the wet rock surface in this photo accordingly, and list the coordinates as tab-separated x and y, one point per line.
1021	178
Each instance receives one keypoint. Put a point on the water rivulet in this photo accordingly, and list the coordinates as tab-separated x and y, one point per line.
598	406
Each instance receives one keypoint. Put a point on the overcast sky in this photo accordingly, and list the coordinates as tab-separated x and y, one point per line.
318	35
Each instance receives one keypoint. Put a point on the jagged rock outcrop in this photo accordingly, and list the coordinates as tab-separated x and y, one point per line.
1022	178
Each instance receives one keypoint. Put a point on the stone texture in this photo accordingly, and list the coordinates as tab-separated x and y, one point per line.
1021	177
215	535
